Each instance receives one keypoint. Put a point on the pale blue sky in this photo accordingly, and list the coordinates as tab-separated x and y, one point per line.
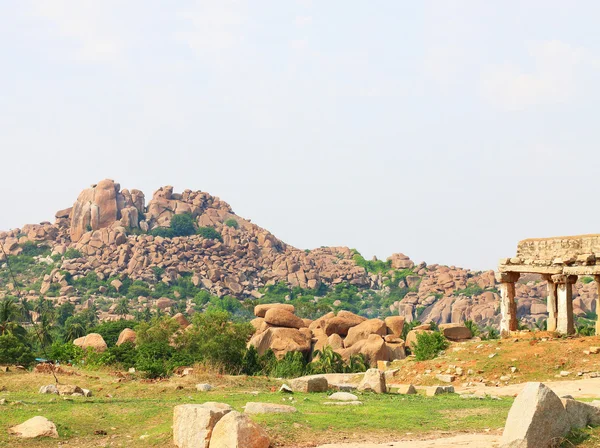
447	130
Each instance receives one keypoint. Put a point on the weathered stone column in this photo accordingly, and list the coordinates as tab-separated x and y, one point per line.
508	306
564	291
597	278
552	305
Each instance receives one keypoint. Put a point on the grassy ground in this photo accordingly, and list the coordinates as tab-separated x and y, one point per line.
129	410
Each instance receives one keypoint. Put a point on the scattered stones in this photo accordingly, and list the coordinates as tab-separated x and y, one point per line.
445	378
407	389
286	389
49	389
268	408
35	427
438	390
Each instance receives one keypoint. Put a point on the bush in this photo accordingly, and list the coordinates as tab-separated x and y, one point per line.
163	232
110	331
209	233
13	351
251	362
183	225
67	352
232	223
217	341
72	253
124	354
429	345
152	359
292	365
31	249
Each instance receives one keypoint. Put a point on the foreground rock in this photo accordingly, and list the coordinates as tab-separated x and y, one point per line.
316	383
268	408
193	424
236	430
373	381
34	427
536	419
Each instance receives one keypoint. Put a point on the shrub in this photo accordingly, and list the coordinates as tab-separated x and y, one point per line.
124	354
110	331
65	352
183	225
32	249
217	341
72	253
586	280
472	326
429	345
327	361
163	232
292	365
209	233
13	351
232	223
251	362
152	359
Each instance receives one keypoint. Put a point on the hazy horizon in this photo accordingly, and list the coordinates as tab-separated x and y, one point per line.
447	131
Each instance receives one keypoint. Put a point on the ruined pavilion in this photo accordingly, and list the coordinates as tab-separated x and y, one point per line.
560	261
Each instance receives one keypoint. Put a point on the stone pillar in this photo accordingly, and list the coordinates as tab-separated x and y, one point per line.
508	306
552	304
564	292
597	278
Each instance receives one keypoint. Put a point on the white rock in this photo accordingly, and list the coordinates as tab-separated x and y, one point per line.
203	387
34	427
343	396
267	408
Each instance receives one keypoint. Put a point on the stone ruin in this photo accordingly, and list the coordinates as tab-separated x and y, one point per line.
560	261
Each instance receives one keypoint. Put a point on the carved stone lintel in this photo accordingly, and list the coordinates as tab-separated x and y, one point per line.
507	277
561	279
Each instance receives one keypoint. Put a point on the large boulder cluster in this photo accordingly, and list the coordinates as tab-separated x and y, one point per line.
110	227
277	328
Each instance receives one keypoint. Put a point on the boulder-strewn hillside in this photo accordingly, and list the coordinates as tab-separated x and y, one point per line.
112	244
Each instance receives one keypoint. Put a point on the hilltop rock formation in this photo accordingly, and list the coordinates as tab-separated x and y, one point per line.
111	229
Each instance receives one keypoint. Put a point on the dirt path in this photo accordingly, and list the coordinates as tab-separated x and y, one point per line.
463	440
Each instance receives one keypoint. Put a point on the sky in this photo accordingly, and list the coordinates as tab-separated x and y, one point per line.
445	130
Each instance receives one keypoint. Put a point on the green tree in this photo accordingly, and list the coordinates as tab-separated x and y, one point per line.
429	345
210	233
183	225
14	351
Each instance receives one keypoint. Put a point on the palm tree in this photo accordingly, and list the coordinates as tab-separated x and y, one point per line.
122	307
9	318
74	330
44	328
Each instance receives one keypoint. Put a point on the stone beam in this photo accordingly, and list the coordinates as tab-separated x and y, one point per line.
581	270
530	269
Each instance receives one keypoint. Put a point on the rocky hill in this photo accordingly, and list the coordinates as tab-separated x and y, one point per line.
111	239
